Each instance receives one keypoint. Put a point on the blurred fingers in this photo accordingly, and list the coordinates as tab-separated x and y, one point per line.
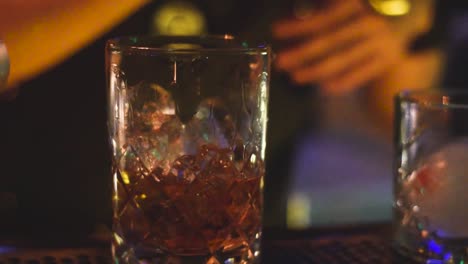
324	19
355	78
318	47
336	64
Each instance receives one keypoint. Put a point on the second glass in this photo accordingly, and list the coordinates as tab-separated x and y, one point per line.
431	175
187	125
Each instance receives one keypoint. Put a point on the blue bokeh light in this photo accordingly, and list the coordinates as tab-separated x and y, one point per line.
434	247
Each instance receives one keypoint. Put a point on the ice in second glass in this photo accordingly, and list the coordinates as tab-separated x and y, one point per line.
431	166
187	125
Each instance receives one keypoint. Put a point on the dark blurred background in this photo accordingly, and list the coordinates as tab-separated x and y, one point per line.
54	155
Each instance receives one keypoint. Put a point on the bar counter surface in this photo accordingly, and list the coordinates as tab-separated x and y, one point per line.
358	244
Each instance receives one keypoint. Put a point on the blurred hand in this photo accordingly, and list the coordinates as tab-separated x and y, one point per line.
342	47
40	34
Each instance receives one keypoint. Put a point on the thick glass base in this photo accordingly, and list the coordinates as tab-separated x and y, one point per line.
124	254
131	258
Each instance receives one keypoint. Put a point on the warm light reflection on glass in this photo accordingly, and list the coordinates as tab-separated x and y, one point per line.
125	177
115	197
391	7
253	158
264	82
118	239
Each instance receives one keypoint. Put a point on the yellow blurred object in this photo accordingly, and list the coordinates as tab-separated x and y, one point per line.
179	18
125	177
298	211
42	42
391	7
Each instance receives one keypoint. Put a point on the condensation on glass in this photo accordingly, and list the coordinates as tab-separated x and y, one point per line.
187	122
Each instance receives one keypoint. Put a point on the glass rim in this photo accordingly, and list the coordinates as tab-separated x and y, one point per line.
434	98
142	43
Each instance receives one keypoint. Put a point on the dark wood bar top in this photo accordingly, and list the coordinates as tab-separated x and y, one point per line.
354	244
